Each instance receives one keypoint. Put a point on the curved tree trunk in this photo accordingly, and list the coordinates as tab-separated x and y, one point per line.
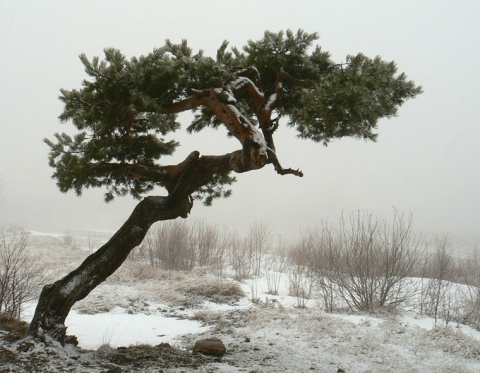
57	299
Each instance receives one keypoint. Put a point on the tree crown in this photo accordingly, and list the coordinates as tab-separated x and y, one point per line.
126	107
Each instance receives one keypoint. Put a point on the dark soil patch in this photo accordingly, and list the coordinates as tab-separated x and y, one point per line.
27	356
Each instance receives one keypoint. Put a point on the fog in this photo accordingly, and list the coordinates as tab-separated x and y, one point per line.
426	161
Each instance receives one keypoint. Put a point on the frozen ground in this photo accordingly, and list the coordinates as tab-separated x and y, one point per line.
138	307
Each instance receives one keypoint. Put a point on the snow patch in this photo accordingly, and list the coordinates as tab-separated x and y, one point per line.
122	329
270	102
242	81
256	136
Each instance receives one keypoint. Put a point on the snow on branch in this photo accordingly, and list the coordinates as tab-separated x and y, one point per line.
256	136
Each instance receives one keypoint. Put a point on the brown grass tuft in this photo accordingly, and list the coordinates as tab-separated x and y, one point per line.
15	329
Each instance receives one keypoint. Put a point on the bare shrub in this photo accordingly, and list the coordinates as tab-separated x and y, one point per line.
377	261
181	246
273	282
141	271
300	269
204	239
301	284
147	249
365	262
92	242
436	290
471	297
247	255
258	241
471	306
169	246
20	275
70	241
209	245
239	257
317	250
254	292
278	258
277	263
450	285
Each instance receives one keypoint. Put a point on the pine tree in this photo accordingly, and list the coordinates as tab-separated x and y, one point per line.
126	108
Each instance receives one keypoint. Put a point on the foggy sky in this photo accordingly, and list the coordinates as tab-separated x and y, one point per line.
426	161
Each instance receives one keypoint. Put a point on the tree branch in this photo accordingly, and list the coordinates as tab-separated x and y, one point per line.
137	171
254	147
201	98
244	84
255	143
272	158
252	140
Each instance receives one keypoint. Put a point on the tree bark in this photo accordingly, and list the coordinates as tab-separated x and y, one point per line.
57	299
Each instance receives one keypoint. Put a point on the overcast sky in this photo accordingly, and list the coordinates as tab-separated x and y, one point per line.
426	161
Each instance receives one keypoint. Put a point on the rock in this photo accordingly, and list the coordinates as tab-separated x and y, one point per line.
210	346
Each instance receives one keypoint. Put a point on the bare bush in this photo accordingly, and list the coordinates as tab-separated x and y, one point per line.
247	255
254	292
318	250
180	246
471	306
20	275
377	259
92	242
450	286
70	241
436	290
209	245
276	264
471	297
273	282
301	284
239	257
365	262
258	241
168	246
147	250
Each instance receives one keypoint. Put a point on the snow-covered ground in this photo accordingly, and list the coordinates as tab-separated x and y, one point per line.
120	328
270	334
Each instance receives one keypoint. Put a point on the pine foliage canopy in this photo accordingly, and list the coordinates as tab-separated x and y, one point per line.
126	108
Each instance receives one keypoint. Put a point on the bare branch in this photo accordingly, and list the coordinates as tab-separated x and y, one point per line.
272	158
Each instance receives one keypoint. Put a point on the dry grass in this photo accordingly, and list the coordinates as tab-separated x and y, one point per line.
217	291
14	329
209	317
